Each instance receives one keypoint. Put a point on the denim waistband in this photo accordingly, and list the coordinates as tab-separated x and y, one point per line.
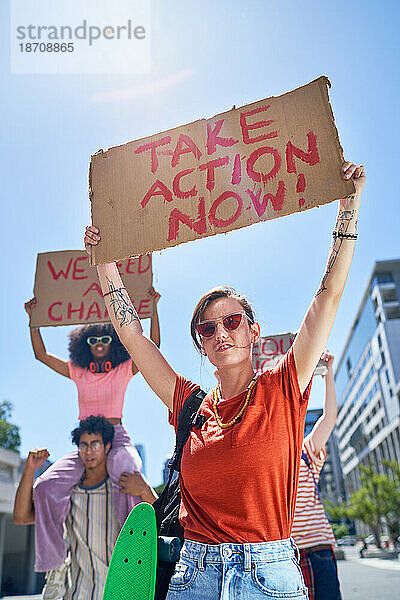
239	553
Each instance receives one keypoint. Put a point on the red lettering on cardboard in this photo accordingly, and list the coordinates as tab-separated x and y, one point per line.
94	287
254	156
60	273
213	139
144	263
246	127
71	311
267	342
225	222
301	183
76	270
176	186
311	157
300	187
152	146
157	189
131	266
277	200
199	225
210	167
144	310
237	171
94	309
50	311
180	149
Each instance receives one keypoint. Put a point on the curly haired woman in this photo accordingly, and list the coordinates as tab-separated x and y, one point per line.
101	368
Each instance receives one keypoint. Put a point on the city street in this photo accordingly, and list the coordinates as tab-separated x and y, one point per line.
360	579
368	578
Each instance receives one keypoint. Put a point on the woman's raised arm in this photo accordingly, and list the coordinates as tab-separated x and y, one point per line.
155	324
147	357
54	362
317	323
322	429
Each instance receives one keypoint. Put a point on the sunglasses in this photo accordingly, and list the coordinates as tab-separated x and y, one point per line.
92	340
207	329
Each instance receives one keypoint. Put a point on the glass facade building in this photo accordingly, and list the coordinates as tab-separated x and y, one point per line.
367	379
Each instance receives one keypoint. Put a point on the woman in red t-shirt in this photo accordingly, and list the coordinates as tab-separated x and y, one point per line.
239	471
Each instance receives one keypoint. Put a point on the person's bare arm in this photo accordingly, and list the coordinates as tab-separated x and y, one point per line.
54	362
322	429
158	373
155	324
24	509
317	324
136	484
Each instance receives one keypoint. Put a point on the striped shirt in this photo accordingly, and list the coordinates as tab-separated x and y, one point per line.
311	526
92	529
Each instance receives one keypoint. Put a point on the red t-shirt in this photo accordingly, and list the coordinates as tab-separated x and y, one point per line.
239	484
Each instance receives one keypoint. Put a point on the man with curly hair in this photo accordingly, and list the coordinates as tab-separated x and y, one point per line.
91	524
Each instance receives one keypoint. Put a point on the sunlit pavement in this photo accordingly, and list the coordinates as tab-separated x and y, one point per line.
368	578
37	597
360	579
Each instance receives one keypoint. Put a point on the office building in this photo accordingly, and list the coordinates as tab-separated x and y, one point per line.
165	473
17	544
368	379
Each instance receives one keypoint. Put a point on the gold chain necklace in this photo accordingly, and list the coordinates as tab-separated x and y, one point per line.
241	411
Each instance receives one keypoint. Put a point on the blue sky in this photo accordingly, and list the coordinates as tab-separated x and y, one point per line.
205	57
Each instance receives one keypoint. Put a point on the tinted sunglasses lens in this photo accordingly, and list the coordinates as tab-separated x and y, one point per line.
206	329
92	341
232	322
106	339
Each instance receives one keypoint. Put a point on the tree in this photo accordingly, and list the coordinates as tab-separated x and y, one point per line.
376	500
393	513
9	433
340	530
159	489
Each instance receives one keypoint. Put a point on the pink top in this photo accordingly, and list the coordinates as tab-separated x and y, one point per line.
101	393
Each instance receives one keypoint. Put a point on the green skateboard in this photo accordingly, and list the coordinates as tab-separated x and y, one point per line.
132	571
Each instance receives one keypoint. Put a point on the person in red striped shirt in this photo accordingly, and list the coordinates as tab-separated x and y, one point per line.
311	529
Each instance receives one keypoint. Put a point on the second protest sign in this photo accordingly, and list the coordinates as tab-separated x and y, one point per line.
68	291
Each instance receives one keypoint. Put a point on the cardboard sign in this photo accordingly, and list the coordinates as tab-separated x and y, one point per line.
269	350
261	161
68	290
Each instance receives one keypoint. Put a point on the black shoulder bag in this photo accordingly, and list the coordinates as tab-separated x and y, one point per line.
168	504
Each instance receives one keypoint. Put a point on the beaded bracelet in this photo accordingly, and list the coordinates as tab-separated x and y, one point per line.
112	291
345	236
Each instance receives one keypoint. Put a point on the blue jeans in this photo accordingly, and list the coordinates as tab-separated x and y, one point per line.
326	581
233	571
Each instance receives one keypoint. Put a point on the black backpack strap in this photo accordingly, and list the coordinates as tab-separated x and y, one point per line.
188	418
